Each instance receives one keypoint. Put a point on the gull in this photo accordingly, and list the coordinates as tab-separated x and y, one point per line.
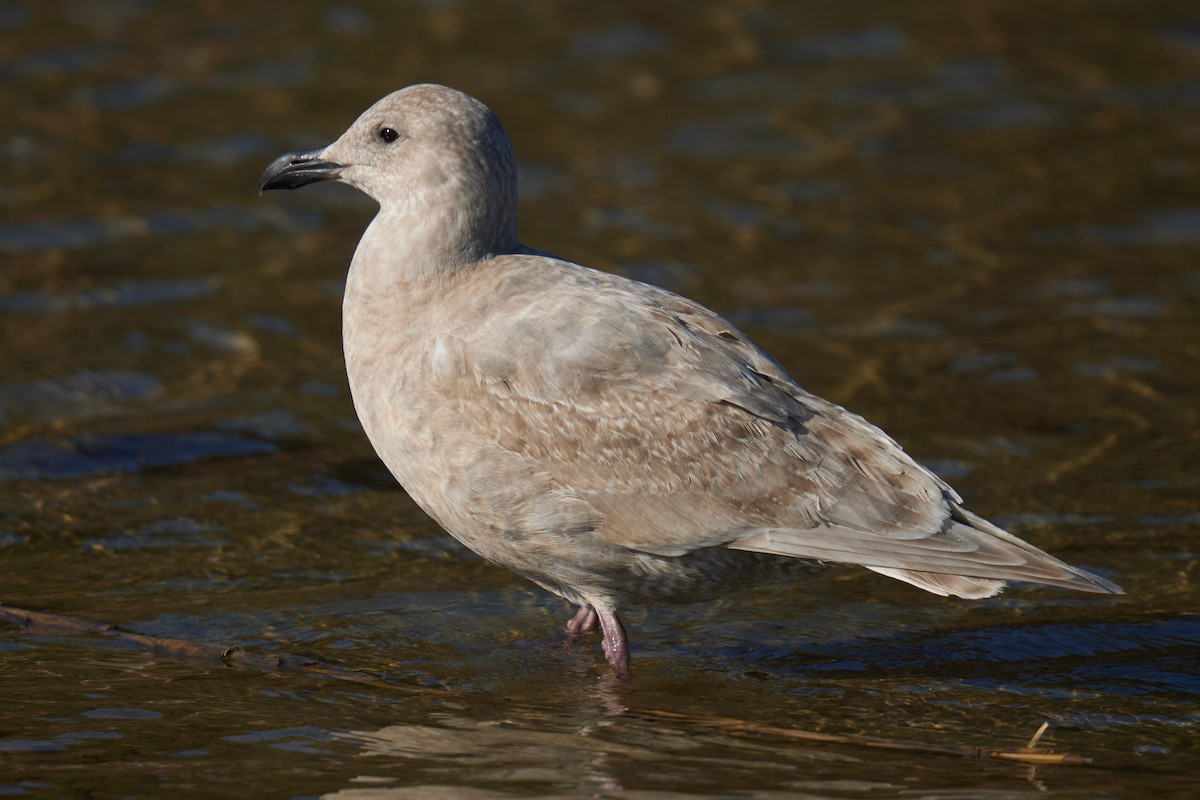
613	442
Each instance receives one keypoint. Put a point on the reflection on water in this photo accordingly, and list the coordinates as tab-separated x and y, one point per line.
975	224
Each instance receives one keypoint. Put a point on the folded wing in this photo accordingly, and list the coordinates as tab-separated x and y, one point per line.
683	435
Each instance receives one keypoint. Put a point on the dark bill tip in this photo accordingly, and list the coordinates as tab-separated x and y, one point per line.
293	170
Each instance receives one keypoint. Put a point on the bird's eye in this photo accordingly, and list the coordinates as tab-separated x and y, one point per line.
388	135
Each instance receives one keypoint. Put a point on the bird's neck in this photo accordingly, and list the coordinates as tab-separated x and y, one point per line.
411	245
406	261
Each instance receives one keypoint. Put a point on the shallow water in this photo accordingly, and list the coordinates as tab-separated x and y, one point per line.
976	224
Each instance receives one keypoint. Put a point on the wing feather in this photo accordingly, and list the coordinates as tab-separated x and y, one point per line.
681	434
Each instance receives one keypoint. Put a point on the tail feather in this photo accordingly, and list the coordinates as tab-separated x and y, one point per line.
945	585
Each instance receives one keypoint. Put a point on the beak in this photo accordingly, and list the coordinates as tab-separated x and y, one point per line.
293	170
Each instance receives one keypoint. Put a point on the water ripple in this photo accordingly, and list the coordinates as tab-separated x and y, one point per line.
619	42
79	233
177	532
81	394
878	42
89	455
130	294
1018	645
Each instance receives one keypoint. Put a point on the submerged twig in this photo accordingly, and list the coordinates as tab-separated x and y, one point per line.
1038	734
210	653
1028	754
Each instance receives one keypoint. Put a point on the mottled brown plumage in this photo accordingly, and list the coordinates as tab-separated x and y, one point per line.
609	440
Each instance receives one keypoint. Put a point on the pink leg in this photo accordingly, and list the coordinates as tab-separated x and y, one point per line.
583	621
616	643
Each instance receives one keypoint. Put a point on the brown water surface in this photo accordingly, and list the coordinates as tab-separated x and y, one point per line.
977	224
